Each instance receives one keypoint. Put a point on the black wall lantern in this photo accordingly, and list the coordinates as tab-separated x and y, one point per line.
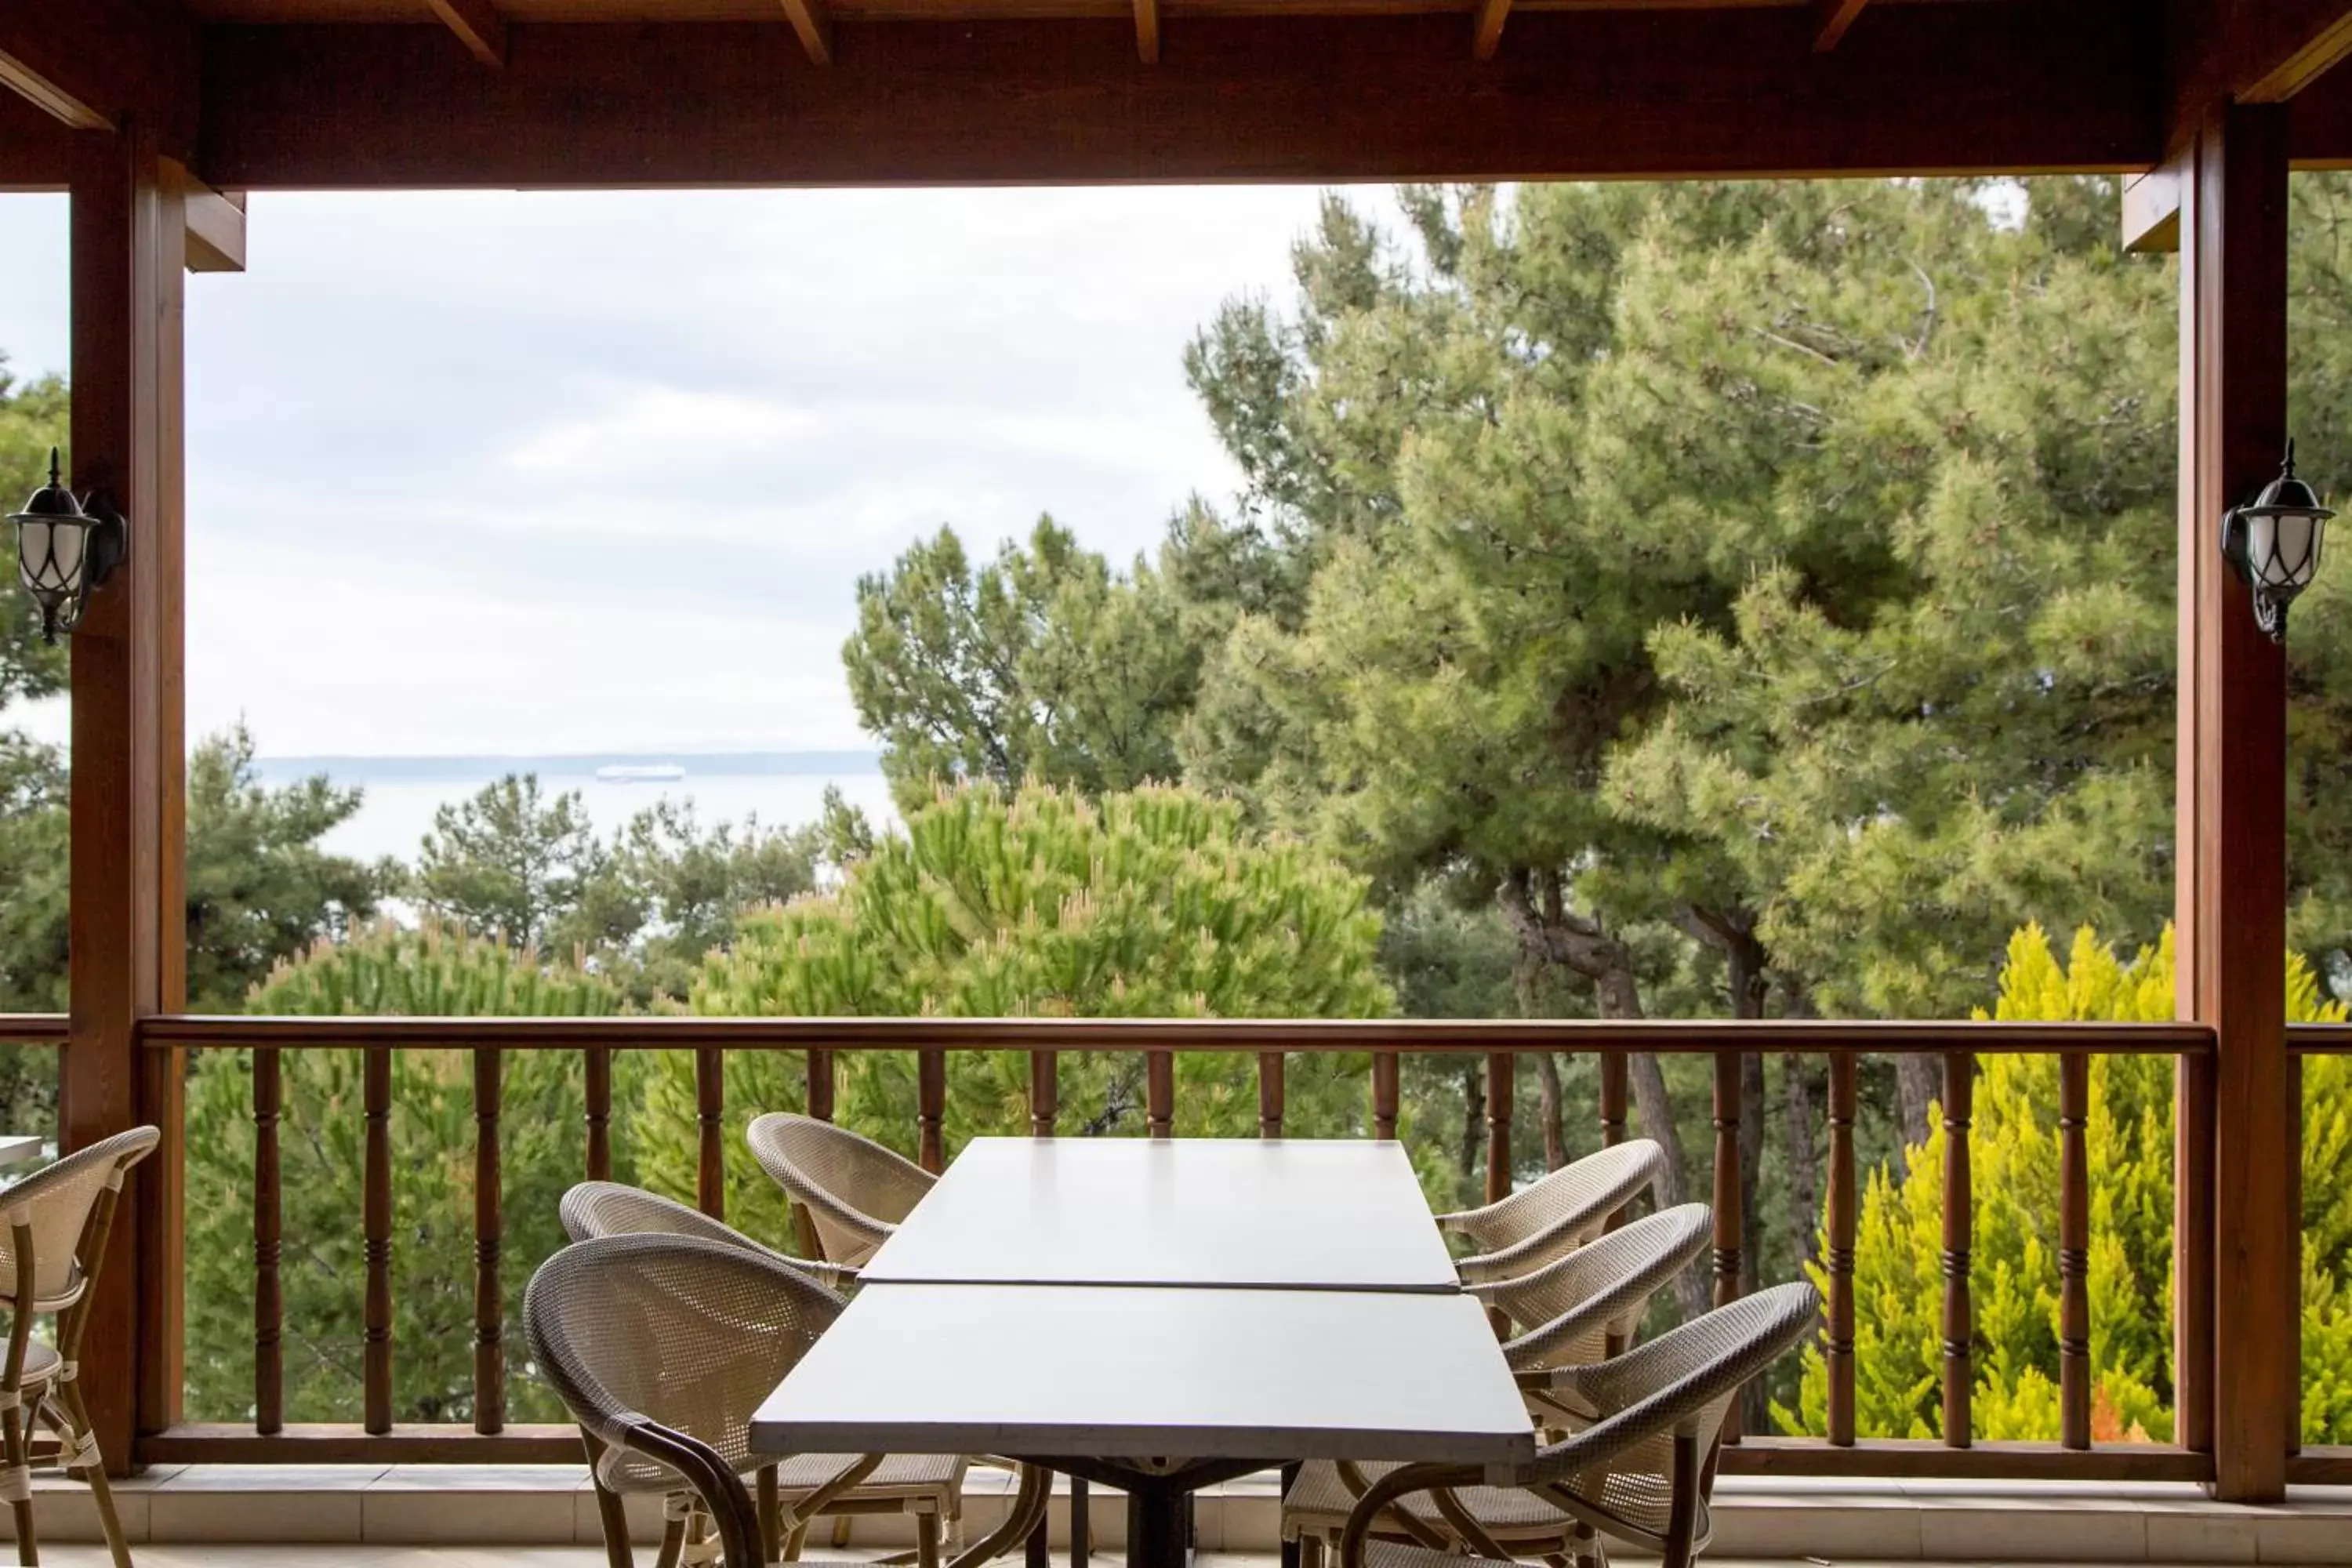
2272	541
65	548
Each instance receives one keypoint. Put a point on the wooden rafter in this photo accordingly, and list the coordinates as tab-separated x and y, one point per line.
47	96
813	23
2152	212
96	65
215	227
1486	32
1831	19
1587	93
1146	31
479	26
2250	53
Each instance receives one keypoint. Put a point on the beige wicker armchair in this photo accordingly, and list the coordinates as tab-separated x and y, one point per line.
1581	1308
1556	1214
854	1191
610	1208
663	1346
1639	1469
59	1220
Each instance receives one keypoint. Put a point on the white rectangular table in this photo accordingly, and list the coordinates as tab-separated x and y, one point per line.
1161	1316
18	1149
1293	1215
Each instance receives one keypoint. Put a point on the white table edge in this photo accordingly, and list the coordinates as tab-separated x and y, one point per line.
1496	1452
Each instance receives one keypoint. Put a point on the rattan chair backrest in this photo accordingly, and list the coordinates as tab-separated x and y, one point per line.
854	1190
55	1203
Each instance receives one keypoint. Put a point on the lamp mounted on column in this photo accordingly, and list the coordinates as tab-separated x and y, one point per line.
2273	541
65	548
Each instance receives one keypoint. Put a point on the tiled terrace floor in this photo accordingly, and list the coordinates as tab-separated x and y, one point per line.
586	1557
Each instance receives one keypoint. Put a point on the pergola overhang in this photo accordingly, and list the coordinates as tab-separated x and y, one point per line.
147	109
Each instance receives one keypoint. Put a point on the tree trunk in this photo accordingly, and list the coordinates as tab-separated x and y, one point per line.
1917	1085
1804	1184
1474	1116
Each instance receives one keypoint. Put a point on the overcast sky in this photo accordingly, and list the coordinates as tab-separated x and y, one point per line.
523	473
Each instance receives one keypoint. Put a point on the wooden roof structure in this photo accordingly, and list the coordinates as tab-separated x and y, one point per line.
259	94
159	115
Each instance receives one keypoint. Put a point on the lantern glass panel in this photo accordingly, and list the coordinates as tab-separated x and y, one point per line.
33	553
2262	547
2298	548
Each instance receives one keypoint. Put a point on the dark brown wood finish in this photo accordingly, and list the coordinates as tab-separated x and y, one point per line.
1431	1036
128	911
597	1098
1727	1199
1898	1459
1959	1223
931	1108
2327	1467
2074	1253
375	1202
709	1126
268	1210
1269	1094
1384	1094
1501	1070
105	64
1838	1354
1997	85
819	1067
2238	1346
1044	1092
489	1303
339	1443
1160	1093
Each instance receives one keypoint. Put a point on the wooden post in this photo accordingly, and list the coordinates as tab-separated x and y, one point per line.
2237	1348
128	924
1839	1256
1501	1089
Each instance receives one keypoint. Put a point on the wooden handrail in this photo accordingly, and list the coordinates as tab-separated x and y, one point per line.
1430	1035
33	1029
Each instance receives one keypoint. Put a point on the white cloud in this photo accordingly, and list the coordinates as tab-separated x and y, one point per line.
494	471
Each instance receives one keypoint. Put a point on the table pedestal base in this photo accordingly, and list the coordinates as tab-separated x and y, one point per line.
1159	1502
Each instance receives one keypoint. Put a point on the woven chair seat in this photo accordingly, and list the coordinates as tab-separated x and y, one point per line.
1399	1554
898	1475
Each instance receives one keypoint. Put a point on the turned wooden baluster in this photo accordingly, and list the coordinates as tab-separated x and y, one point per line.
1269	1094
268	1296
931	1109
598	1060
1500	1090
1160	1093
1384	1094
1613	1099
376	1227
1839	1354
1044	1092
1959	1214
710	1115
489	1306
819	1069
1728	1228
2074	1252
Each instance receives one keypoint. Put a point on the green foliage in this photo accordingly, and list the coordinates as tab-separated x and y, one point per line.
386	970
1041	663
642	906
2013	1275
1039	903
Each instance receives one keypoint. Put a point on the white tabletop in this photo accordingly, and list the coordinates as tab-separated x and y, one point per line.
1308	1214
18	1149
1127	1373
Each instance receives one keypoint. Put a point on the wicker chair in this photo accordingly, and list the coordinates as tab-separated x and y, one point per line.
1582	1308
58	1219
1639	1469
1556	1216
662	1347
852	1190
610	1208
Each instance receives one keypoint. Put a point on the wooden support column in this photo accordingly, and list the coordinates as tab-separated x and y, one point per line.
2236	1346
128	916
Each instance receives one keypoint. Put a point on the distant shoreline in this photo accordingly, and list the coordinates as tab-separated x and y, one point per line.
581	765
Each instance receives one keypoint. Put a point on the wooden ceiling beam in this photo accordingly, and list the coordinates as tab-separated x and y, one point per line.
1831	19
95	65
1486	31
477	25
2250	51
813	25
1994	85
1146	31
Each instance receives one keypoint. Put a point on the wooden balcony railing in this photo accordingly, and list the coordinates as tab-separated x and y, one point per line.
1271	1043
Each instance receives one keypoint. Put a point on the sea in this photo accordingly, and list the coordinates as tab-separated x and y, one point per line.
400	794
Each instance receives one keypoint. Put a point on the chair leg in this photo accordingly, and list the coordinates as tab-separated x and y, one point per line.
796	1538
673	1543
12	1439
109	1521
615	1518
927	1540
